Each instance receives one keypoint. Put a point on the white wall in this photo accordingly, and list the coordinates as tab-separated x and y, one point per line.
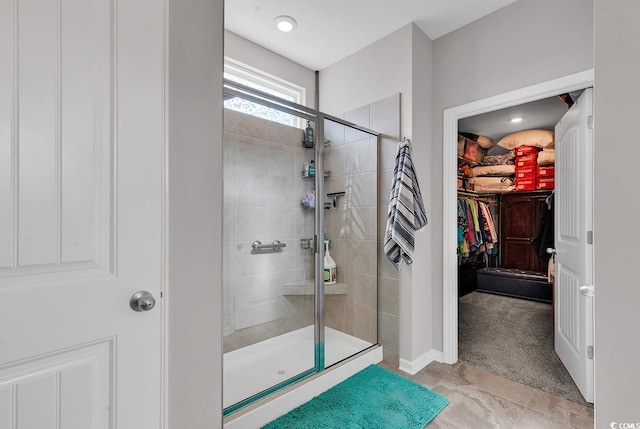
349	86
195	214
249	53
371	74
400	62
617	315
527	42
421	340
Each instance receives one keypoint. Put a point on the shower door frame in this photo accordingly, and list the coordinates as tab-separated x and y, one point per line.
251	94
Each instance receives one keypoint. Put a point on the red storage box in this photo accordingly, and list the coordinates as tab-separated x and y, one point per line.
525	184
546	171
526	150
546	183
529	173
526	160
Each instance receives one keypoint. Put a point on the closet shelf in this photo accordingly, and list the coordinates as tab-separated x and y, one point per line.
327	175
306	287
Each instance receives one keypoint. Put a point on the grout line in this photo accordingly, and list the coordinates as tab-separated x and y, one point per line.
524	408
515	424
533	391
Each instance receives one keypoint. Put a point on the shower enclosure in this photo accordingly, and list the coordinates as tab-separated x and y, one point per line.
287	197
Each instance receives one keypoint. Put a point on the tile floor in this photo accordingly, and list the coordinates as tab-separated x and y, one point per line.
479	399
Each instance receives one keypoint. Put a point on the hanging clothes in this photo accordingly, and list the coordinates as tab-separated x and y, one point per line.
476	230
544	235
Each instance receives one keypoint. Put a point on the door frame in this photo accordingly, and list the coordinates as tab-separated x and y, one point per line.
451	116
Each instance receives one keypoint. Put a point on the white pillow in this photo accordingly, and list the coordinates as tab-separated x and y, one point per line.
546	157
538	138
484	141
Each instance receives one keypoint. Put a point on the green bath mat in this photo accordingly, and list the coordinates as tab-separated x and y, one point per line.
374	398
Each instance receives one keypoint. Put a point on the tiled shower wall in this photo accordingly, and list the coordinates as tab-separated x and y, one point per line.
355	160
263	186
351	228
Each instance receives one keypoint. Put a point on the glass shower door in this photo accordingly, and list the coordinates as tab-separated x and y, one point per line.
287	314
350	227
269	224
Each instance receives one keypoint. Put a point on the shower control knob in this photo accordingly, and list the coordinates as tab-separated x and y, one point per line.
142	301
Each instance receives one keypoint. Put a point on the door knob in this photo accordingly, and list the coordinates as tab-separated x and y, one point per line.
142	301
551	251
587	290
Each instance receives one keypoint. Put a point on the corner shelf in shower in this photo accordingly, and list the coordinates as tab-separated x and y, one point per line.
327	175
305	287
327	144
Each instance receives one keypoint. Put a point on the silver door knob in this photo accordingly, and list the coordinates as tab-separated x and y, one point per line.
587	290
551	251
142	301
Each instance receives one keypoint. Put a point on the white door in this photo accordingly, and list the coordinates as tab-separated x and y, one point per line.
81	213
573	240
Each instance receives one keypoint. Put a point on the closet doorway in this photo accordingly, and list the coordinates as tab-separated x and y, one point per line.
450	210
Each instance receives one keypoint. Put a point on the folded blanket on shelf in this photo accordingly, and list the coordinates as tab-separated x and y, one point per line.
494	170
495	184
507	158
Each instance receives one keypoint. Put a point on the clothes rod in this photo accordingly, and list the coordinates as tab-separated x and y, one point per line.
477	195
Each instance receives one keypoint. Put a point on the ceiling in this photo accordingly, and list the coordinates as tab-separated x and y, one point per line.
330	30
542	114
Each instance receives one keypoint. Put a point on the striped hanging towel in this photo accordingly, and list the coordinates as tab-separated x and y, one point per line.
406	209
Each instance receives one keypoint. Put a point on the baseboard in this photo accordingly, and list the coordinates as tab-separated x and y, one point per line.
413	366
282	404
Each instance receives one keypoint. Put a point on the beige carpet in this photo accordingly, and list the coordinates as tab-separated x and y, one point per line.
513	338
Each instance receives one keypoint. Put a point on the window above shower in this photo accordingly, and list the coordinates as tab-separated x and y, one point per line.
262	81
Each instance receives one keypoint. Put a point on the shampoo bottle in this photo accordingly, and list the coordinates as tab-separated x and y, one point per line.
329	266
308	135
312	169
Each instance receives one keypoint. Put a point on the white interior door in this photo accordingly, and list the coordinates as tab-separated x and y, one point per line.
81	213
573	240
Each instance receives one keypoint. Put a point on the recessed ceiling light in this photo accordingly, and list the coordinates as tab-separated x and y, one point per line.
285	23
516	119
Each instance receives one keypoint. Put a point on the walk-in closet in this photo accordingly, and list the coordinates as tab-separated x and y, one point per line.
505	218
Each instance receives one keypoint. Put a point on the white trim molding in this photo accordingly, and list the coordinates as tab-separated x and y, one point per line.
413	366
451	116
